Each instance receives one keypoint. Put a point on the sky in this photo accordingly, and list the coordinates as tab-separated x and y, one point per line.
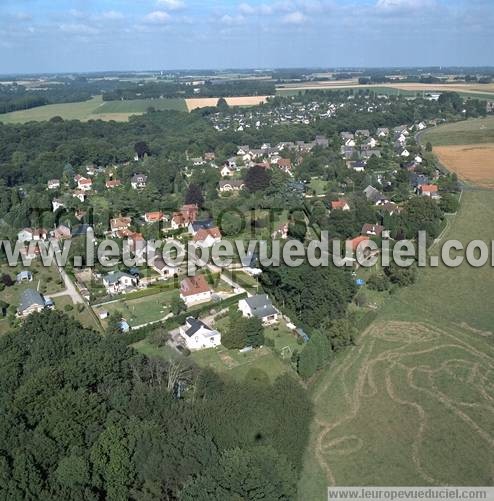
100	35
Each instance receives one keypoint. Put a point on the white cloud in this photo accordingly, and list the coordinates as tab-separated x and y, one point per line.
171	4
112	15
157	17
294	18
232	20
404	5
78	29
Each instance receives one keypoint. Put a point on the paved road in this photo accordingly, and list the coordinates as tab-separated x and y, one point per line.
70	289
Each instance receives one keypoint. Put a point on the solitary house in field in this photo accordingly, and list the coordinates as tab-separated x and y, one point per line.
198	336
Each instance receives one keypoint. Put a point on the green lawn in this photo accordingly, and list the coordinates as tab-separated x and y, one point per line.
411	404
141	310
475	131
237	365
84	316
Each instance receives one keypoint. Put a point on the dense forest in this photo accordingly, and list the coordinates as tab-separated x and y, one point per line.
86	417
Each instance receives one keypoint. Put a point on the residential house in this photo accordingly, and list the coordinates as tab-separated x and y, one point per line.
186	215
362	133
113	183
202	224
259	306
429	190
405	153
61	232
243	150
374	195
382	132
153	217
207	237
346	135
198	336
231	185
24	276
83	183
53	184
165	270
138	181
227	170
194	290
418	179
285	164
209	156
322	141
56	204
29	234
118	282
31	301
356	165
340	205
118	226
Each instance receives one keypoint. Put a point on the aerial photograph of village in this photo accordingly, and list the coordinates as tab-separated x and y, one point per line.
246	250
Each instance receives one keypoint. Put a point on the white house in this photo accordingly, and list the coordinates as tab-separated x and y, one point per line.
138	181
162	268
28	234
118	282
198	336
195	290
405	153
83	183
57	204
259	306
207	237
227	171
80	194
53	184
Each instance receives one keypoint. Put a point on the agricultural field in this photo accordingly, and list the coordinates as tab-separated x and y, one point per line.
466	148
204	102
473	163
138	106
412	402
465	90
94	109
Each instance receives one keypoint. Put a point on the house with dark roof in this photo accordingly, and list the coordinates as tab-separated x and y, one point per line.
31	302
199	336
138	181
259	306
118	282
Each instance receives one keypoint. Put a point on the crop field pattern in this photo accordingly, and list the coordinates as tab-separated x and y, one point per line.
425	380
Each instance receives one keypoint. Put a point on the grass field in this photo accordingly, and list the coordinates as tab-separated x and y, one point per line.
476	131
412	403
140	106
94	109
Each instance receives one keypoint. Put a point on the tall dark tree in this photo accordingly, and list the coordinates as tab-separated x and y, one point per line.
257	178
142	149
194	195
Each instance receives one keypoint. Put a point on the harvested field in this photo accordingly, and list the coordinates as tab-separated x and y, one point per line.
473	163
203	102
